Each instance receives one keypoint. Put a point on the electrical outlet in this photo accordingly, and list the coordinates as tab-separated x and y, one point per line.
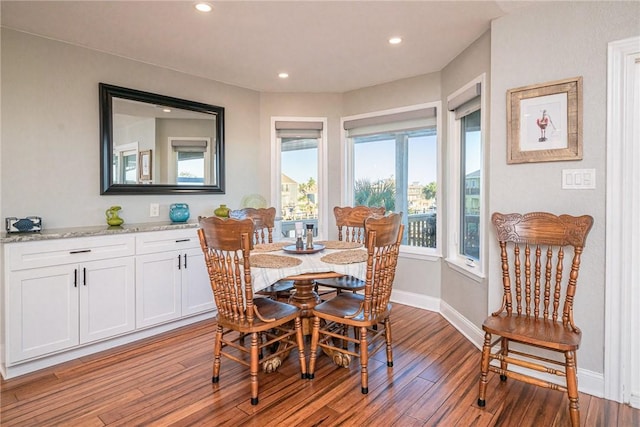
154	209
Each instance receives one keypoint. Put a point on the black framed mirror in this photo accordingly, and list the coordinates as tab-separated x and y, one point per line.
155	144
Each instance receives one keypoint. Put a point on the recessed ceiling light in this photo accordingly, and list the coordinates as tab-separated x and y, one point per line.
283	75
203	7
166	110
395	40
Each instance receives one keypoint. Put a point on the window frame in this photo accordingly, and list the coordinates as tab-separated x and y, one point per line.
347	172
276	153
476	270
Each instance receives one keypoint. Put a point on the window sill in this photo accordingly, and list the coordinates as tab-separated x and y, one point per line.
473	273
419	253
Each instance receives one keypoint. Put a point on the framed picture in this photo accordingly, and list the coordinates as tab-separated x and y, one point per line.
544	122
145	165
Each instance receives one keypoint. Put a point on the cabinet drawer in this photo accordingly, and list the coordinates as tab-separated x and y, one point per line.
26	255
162	241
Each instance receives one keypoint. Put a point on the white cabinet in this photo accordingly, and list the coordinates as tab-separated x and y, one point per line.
42	312
171	277
61	294
70	296
107	296
197	295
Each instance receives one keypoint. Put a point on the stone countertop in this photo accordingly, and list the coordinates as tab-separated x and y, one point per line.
98	230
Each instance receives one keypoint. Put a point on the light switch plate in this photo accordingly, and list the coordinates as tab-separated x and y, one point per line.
578	179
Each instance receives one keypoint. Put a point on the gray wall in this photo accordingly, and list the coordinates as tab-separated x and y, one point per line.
537	45
50	133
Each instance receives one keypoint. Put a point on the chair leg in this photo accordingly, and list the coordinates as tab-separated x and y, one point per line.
572	388
253	367
315	335
505	352
364	361
217	351
300	340
484	369
387	336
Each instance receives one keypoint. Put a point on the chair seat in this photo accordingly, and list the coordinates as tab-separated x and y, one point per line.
345	283
269	309
540	332
343	306
279	286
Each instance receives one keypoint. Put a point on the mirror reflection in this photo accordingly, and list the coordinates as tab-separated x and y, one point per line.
158	144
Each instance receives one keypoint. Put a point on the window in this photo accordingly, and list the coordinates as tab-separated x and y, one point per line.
190	160
466	154
298	189
470	158
392	161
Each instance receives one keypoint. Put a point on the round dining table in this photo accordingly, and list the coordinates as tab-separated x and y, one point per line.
276	261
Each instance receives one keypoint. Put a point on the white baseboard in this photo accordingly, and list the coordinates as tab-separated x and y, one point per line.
589	382
65	356
416	300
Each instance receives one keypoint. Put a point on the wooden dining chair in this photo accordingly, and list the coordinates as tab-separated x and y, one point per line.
540	259
264	221
350	223
226	244
362	312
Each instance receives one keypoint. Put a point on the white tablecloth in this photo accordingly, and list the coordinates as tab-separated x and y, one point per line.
311	263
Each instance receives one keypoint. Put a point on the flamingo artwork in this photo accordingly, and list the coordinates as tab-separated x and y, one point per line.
542	123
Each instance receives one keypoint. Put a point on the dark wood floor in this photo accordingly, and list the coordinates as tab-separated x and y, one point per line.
167	381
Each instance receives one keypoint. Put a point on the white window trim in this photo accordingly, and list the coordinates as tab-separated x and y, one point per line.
346	158
472	269
323	171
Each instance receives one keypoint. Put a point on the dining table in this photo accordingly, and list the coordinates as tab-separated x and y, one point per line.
271	262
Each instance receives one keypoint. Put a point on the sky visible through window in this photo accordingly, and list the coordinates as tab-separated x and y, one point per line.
377	161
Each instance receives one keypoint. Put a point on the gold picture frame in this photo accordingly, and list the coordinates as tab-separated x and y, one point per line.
544	122
144	165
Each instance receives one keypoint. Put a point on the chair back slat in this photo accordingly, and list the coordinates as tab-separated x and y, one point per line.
350	221
226	244
535	249
384	235
263	222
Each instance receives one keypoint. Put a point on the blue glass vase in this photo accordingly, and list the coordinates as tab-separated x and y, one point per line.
179	212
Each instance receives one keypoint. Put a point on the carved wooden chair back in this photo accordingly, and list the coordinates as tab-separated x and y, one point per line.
350	221
540	255
263	220
536	277
383	238
226	244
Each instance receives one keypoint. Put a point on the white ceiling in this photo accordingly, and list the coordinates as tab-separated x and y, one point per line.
325	46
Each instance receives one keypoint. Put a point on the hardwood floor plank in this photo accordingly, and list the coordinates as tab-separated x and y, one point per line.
166	381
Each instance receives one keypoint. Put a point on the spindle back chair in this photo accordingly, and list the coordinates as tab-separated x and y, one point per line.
540	256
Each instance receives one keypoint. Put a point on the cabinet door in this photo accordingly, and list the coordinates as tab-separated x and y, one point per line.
43	311
158	295
107	298
197	295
